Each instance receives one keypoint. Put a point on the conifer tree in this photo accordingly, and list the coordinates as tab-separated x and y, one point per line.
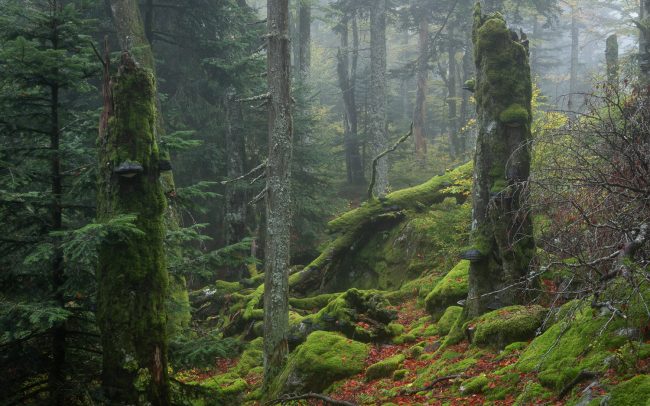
46	138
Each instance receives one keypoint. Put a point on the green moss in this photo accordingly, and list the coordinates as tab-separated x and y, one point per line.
449	317
576	340
178	306
384	368
510	324
451	289
251	358
395	328
227	287
313	302
342	314
400	374
474	385
251	311
634	392
531	394
404	338
514	114
557	378
322	359
415	351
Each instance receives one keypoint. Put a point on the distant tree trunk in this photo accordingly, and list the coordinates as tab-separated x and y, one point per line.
535	48
404	79
451	92
575	57
132	277
377	102
235	197
501	227
304	37
422	75
644	42
347	81
278	193
467	74
611	57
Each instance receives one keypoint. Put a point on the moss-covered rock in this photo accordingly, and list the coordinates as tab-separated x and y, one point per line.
400	374
222	389
474	385
633	392
532	393
451	289
323	358
384	368
449	317
580	338
361	315
313	302
252	357
510	324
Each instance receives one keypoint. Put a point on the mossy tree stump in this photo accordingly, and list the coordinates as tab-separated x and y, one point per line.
501	226
132	272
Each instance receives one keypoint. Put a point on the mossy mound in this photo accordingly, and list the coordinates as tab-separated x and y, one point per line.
474	385
361	315
384	368
447	292
322	359
449	317
508	325
252	357
633	392
580	340
225	389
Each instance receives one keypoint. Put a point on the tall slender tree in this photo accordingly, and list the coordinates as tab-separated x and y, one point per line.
644	42
278	190
501	226
378	94
422	75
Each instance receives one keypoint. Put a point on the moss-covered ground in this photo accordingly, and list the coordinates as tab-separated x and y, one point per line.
408	343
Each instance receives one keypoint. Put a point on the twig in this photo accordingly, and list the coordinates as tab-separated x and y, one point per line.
583	375
244	176
383	154
259	197
434	382
263	97
310	395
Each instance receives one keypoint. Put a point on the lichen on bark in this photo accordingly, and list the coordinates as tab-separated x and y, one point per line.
132	272
501	227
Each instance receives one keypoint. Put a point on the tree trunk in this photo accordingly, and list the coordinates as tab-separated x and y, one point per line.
304	38
353	162
132	286
492	6
132	36
502	240
419	113
467	74
611	56
575	56
452	93
235	196
377	102
278	192
644	43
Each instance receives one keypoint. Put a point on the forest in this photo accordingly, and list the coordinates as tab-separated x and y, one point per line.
324	202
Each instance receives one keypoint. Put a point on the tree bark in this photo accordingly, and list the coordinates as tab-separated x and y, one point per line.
575	56
644	43
422	74
278	191
377	103
467	74
235	196
304	38
132	274
346	77
501	226
452	93
611	57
